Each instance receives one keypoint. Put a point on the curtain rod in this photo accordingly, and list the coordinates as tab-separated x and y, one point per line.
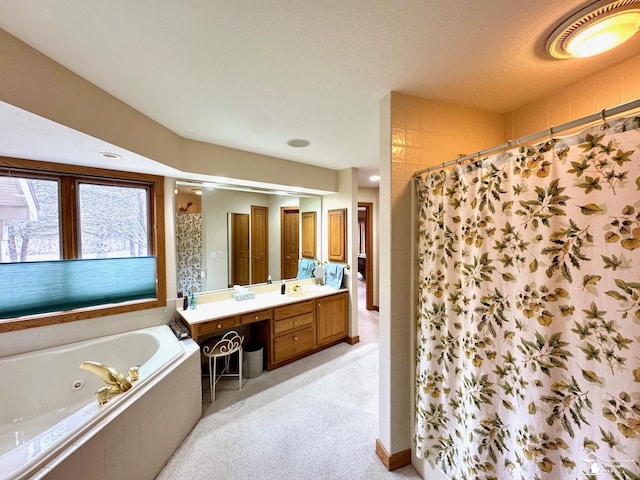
542	133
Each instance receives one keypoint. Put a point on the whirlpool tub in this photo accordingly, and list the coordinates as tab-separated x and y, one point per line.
51	425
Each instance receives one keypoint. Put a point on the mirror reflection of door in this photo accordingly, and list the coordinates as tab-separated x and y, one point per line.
290	241
240	248
309	235
259	244
365	251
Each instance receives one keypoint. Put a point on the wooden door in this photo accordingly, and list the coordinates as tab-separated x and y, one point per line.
337	235
309	235
259	244
290	241
240	248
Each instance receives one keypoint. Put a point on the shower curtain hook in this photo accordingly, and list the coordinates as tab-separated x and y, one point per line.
604	119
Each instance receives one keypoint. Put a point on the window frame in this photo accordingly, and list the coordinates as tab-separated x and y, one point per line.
69	176
112	182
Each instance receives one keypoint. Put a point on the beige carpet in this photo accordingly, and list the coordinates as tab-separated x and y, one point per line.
316	418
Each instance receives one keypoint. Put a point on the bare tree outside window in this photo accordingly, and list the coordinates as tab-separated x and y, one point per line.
113	221
29	220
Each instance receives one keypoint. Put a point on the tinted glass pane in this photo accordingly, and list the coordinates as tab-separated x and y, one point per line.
113	221
29	219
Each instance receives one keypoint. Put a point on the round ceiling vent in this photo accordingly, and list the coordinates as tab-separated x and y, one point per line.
110	155
597	28
298	143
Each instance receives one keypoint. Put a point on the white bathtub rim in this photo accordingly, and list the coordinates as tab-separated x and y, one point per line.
99	419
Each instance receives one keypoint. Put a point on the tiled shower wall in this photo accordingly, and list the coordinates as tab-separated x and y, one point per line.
611	87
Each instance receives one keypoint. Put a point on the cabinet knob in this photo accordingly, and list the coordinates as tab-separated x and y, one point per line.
319	305
295	323
295	339
256	317
219	325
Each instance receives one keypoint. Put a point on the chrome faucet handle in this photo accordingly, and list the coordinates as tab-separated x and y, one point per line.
134	373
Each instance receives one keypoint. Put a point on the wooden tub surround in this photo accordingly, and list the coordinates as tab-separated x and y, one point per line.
290	326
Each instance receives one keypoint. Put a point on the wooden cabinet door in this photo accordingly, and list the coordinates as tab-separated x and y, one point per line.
259	244
338	235
331	318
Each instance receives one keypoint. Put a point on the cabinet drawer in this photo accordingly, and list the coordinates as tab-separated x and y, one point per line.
292	344
293	310
255	316
292	323
217	325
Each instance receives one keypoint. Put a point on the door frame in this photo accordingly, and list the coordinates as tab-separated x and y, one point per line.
368	247
283	211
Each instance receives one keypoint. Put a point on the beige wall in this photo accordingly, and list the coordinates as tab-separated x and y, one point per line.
346	197
417	133
35	83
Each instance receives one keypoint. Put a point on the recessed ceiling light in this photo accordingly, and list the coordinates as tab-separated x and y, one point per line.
374	178
110	155
595	29
298	142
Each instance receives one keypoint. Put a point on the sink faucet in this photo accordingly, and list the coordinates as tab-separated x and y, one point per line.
114	380
296	288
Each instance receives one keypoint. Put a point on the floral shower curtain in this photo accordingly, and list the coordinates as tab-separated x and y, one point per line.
189	251
528	354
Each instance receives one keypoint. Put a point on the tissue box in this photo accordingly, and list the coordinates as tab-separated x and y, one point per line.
243	296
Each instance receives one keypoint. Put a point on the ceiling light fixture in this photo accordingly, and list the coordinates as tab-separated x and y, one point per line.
595	29
110	155
298	143
374	178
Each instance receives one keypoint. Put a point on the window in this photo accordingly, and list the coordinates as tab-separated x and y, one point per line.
114	221
29	219
77	242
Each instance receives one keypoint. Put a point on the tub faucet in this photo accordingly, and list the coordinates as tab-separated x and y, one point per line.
113	379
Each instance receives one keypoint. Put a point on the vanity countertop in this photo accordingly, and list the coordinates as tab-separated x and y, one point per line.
214	310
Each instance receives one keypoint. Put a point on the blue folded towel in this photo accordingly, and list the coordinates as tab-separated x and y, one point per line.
333	276
305	268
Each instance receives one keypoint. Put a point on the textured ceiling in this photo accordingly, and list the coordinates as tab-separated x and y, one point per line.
251	74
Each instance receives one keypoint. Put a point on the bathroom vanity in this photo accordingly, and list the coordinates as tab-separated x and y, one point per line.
290	326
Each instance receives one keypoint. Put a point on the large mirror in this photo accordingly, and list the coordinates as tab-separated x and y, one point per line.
227	235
